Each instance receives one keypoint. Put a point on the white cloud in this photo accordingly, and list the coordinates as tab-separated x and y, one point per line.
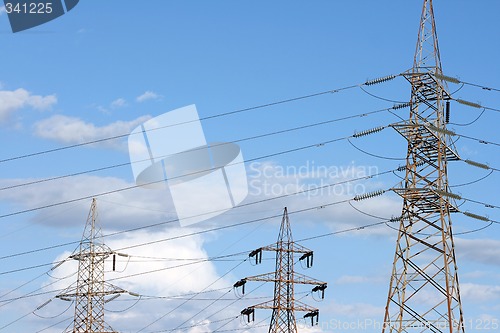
122	211
118	103
118	211
41	103
148	95
71	130
102	109
479	293
168	282
141	274
171	281
2	10
269	180
11	101
155	205
474	274
486	251
356	310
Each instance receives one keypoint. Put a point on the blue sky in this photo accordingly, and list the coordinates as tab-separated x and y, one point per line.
106	67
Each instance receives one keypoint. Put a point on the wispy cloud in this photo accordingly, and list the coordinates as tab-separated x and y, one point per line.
317	185
2	10
486	251
11	101
148	95
163	277
479	293
120	210
71	130
118	103
355	310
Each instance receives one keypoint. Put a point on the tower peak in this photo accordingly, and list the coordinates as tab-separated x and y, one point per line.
427	58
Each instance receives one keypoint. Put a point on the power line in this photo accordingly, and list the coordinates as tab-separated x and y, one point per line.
30	267
224	227
480	86
486	142
479	165
233	225
293	99
44	304
475	105
320	144
136	186
393	218
31	294
357	228
375	155
353	229
197	324
470	122
191	261
180	326
174	220
215	211
240	206
378	97
315	145
360	115
53	325
200	323
177	307
474	181
247	222
453	133
457	80
146	297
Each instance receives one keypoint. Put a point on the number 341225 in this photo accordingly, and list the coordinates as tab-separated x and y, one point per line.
29	8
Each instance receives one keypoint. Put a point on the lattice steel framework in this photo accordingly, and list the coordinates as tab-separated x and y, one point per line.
284	304
91	288
424	291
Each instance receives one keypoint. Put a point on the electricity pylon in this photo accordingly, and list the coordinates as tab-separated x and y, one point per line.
91	289
424	292
284	303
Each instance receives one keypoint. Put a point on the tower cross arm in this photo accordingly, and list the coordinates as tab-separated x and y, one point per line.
290	247
297	306
297	279
304	279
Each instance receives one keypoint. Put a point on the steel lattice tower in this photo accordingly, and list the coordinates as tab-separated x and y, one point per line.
91	288
424	291
284	304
